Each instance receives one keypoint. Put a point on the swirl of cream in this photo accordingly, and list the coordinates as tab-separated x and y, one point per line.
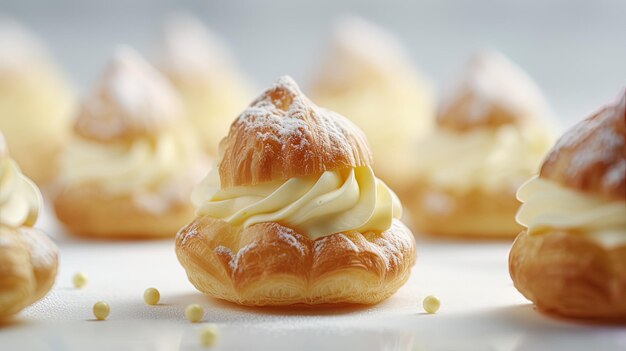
547	205
129	166
20	199
489	160
316	206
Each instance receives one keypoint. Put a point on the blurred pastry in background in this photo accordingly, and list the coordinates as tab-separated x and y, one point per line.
490	136
203	71
36	102
133	161
28	258
368	77
293	213
570	259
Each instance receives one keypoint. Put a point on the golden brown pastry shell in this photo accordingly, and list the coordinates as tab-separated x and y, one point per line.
477	214
567	274
270	264
28	268
91	212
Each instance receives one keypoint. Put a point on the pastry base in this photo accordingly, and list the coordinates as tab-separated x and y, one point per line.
473	215
91	212
268	264
570	275
28	268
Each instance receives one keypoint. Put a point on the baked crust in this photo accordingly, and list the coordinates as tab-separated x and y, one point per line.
131	100
28	268
568	274
91	212
282	135
492	92
436	211
270	264
591	156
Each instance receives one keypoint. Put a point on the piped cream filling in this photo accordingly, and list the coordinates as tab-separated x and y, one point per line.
316	206
547	205
20	199
128	167
489	160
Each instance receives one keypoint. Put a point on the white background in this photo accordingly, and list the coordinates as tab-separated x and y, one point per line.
576	51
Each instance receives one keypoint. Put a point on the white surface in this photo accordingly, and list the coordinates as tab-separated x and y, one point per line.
481	310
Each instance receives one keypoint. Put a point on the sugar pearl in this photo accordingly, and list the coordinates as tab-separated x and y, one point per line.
79	280
431	304
194	313
151	296
209	335
101	310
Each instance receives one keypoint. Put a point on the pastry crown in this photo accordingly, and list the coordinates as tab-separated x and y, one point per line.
492	92
18	46
591	156
132	99
362	51
189	49
282	134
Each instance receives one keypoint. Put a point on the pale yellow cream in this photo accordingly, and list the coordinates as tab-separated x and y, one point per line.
547	205
489	160
127	167
316	206
20	199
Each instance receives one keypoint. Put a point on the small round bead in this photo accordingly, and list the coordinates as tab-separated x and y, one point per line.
194	313
209	335
101	310
79	280
431	304
151	296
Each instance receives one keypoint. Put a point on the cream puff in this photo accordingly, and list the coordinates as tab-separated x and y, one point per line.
293	213
133	161
28	259
490	136
203	72
570	260
36	102
367	76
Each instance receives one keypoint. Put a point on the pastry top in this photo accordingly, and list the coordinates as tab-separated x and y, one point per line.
18	47
132	99
282	135
492	92
191	52
362	52
20	199
591	156
131	139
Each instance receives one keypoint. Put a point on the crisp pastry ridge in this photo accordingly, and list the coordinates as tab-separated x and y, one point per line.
569	271
133	160
28	259
269	263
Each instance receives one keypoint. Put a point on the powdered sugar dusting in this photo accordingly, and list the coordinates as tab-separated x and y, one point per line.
234	262
191	49
131	95
287	235
493	80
